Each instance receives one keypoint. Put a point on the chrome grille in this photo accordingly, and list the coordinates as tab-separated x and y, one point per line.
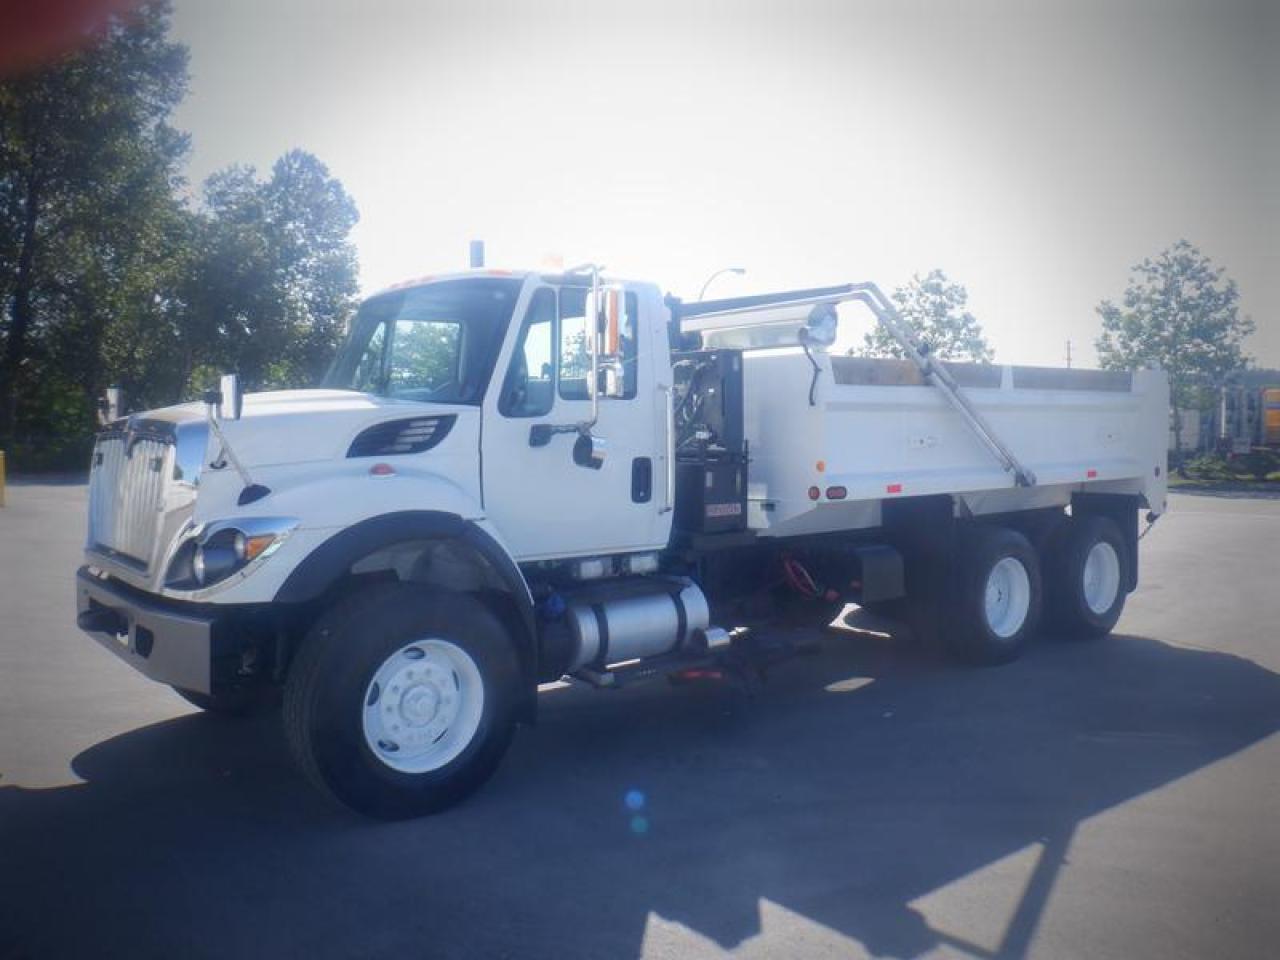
126	494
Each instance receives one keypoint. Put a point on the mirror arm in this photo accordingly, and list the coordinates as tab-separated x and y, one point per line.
540	434
593	341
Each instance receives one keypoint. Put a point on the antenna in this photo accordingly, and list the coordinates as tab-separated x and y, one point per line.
477	254
1068	354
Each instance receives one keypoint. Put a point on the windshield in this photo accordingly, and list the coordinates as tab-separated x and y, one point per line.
436	342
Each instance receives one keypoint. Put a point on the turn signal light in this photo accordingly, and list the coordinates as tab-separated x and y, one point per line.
253	546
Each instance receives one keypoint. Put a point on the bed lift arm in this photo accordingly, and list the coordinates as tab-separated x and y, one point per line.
769	309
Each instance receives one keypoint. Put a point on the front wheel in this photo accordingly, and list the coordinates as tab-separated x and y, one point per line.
998	596
401	701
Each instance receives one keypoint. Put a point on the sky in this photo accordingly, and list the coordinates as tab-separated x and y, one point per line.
1034	151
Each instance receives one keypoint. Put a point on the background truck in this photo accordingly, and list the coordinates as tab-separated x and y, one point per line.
511	478
1248	419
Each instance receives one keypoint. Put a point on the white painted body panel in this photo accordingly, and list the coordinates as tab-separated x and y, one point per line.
881	442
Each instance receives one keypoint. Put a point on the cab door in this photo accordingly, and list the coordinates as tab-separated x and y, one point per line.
542	503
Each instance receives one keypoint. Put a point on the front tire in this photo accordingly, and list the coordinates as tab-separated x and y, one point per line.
401	700
1086	571
998	596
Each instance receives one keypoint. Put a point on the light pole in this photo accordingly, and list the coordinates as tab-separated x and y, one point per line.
738	270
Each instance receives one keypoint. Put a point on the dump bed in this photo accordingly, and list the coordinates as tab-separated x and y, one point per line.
867	430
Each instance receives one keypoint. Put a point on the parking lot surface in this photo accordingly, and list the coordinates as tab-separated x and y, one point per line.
1119	798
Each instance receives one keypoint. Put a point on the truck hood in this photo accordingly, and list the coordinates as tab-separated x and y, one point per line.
298	426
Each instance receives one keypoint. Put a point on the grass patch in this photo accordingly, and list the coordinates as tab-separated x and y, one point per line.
1257	468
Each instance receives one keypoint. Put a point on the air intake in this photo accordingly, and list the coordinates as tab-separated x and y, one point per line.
401	436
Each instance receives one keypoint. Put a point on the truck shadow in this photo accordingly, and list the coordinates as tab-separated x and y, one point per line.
856	783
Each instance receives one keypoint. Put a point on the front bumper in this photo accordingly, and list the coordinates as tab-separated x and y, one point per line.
166	643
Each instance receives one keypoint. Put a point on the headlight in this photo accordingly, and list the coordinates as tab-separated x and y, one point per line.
214	552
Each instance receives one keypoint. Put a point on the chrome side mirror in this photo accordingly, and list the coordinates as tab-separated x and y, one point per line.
608	305
231	397
111	406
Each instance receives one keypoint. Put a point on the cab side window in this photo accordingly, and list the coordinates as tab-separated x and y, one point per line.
528	390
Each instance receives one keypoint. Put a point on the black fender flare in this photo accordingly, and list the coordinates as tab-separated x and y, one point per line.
330	561
1123	509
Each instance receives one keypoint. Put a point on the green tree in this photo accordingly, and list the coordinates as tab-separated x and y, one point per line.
1180	313
88	180
273	276
932	309
107	273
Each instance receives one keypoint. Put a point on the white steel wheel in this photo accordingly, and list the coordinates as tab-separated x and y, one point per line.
1088	573
1007	599
402	700
423	706
997	595
1101	577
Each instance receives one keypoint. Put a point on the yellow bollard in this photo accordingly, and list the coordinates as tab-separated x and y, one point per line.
1	478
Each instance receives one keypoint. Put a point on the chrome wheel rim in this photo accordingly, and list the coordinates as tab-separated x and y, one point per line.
423	706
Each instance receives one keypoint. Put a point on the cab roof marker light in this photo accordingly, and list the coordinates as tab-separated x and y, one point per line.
1090	474
893	488
405	284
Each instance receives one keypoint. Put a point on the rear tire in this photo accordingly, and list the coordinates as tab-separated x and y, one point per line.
998	596
1086	572
401	701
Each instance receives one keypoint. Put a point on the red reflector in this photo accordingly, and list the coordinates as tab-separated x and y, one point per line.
1091	474
382	470
696	674
814	493
893	488
836	493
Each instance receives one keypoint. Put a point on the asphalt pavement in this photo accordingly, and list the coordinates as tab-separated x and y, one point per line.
1119	798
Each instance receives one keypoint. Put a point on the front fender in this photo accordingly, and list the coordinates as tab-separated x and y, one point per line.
328	499
329	562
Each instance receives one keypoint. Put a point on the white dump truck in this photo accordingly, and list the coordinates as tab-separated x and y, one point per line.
509	478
